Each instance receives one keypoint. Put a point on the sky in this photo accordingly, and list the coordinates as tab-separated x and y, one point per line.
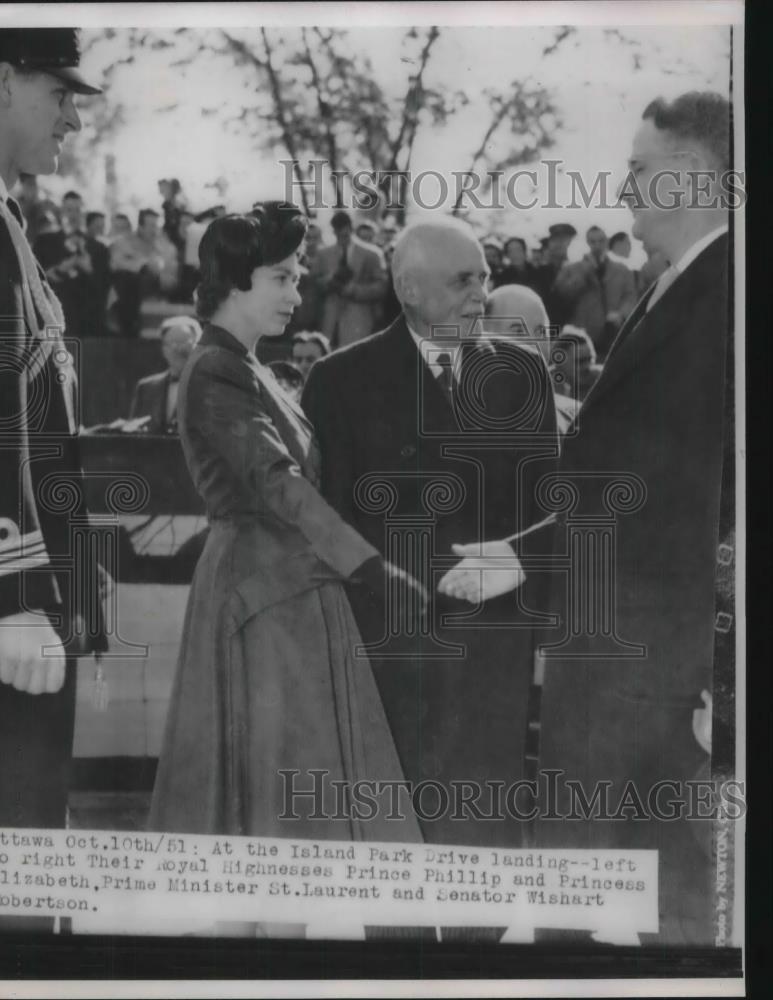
599	95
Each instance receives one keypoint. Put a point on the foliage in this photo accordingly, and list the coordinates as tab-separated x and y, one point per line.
309	94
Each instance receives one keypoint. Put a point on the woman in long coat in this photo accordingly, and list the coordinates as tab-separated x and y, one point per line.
269	696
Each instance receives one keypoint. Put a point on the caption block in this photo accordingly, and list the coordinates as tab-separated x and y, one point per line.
95	876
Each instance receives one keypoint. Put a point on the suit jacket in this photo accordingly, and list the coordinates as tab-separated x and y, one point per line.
414	474
41	483
589	300
656	413
149	399
347	318
657	416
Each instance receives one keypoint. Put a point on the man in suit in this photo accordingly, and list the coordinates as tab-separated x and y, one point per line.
620	705
40	611
144	263
599	292
428	434
64	257
351	278
518	270
155	396
99	253
555	252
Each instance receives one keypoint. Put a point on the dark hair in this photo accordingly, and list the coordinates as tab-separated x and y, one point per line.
595	229
72	194
233	246
287	372
313	337
516	239
92	216
617	238
341	220
122	215
145	213
700	115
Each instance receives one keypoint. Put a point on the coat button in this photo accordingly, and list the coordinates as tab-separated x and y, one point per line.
407	451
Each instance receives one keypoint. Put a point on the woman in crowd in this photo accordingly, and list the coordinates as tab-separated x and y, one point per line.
268	679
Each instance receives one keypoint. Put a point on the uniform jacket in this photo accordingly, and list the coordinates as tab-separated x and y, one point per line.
41	483
348	318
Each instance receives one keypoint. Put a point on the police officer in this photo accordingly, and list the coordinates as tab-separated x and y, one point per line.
43	618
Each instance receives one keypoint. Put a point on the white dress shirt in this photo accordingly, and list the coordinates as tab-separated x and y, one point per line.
422	345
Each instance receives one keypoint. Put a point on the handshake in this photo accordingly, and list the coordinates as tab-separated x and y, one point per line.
485	570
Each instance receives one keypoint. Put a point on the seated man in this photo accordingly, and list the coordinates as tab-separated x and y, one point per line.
155	397
517	311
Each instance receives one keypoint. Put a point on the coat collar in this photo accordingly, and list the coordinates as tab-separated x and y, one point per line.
217	336
644	331
419	386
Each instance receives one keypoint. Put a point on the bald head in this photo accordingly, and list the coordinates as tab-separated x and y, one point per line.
515	311
440	277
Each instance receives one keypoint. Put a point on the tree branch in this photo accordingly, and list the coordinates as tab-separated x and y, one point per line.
322	104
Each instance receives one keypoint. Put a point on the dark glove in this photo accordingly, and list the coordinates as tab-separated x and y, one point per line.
388	583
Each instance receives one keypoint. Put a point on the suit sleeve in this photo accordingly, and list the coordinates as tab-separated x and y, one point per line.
535	447
226	407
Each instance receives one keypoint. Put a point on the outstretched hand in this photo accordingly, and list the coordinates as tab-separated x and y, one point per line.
486	570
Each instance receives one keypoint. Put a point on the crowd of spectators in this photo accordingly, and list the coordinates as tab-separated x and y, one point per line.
102	277
103	270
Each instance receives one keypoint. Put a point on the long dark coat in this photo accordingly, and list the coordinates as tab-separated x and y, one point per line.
268	679
656	416
416	472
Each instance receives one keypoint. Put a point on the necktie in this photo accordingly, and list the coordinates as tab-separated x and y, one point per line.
664	282
445	378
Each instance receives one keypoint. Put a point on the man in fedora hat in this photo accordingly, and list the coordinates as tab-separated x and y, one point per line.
43	620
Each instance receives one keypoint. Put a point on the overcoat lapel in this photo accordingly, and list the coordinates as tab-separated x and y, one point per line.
643	332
